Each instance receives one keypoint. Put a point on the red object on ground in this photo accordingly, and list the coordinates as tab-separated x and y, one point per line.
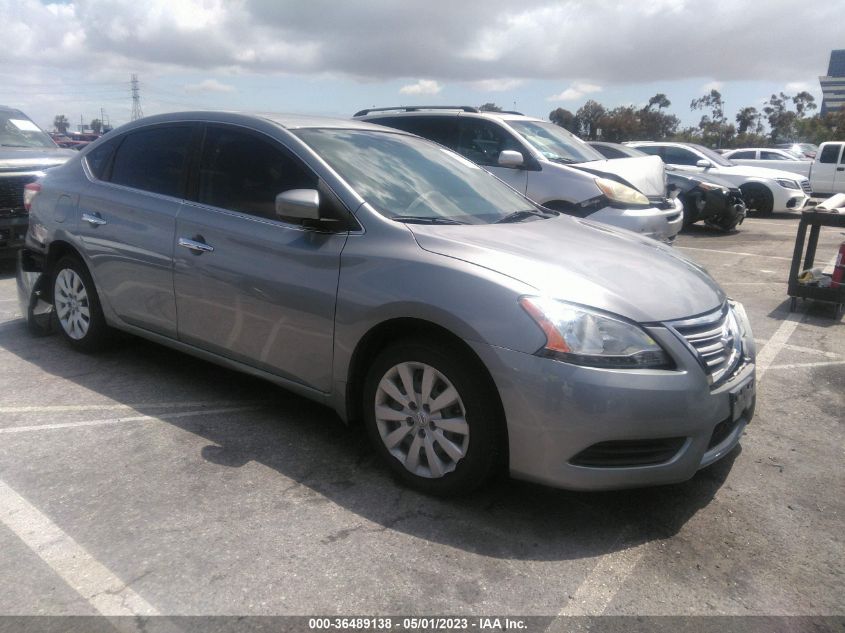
838	277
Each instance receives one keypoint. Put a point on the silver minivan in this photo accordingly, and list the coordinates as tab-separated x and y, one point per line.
548	164
393	280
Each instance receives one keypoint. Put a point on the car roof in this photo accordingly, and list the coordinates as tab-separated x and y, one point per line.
443	111
287	121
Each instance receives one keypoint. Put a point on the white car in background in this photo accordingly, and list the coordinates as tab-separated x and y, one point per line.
764	190
771	158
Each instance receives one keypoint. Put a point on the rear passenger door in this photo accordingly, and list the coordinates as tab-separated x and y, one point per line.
127	221
482	141
258	289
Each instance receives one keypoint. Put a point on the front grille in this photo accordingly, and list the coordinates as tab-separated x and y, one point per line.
11	192
805	185
715	340
626	453
661	202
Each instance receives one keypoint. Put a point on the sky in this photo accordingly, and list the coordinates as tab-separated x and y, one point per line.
335	57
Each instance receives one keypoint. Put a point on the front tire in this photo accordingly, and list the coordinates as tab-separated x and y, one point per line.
77	306
758	198
432	419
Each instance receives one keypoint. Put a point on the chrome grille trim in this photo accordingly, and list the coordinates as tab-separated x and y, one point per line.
714	339
805	185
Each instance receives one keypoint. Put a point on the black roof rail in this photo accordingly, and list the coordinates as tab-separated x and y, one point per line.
507	112
416	109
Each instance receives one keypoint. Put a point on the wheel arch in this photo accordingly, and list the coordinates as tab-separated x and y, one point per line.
401	328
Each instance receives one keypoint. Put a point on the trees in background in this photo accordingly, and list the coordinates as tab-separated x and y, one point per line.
96	126
61	123
787	117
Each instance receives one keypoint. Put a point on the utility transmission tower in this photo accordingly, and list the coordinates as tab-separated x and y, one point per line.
137	113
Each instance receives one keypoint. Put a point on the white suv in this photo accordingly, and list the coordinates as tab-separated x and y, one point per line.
764	190
548	164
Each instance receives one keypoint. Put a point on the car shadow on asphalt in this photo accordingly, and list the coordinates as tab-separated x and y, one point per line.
331	462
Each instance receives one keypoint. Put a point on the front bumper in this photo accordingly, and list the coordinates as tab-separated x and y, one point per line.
557	411
13	231
789	199
662	225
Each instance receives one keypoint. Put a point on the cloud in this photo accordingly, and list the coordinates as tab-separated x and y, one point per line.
479	41
496	85
799	86
209	85
576	91
422	87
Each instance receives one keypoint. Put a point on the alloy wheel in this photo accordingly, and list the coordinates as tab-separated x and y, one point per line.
421	419
70	299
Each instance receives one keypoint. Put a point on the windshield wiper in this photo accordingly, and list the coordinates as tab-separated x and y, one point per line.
424	219
12	145
518	216
562	159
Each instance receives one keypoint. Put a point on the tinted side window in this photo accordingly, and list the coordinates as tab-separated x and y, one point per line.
772	156
680	156
440	129
153	159
98	159
830	153
242	172
482	141
654	150
610	152
745	154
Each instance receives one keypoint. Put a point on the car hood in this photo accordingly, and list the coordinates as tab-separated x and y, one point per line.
749	171
643	172
33	158
583	262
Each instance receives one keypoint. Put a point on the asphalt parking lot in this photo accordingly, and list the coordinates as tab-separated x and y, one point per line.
143	481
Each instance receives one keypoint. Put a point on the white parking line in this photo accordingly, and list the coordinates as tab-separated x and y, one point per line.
136	418
607	578
801	365
712	250
104	591
67	408
603	583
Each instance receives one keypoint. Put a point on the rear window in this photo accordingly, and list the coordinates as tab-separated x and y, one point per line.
153	159
742	155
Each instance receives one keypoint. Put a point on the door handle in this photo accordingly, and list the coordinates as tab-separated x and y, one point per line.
840	169
94	219
196	245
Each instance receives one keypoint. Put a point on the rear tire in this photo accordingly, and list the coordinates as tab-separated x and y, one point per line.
77	306
758	199
434	422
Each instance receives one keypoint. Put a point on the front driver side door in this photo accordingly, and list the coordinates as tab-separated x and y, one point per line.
250	286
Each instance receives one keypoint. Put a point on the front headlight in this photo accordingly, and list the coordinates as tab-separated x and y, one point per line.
709	186
585	337
788	184
619	193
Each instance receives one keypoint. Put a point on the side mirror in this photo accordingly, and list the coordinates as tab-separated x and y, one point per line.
511	158
300	204
704	164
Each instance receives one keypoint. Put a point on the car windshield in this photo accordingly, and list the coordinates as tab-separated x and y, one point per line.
16	130
555	143
410	179
713	157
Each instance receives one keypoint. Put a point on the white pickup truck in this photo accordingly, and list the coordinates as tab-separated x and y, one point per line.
827	175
